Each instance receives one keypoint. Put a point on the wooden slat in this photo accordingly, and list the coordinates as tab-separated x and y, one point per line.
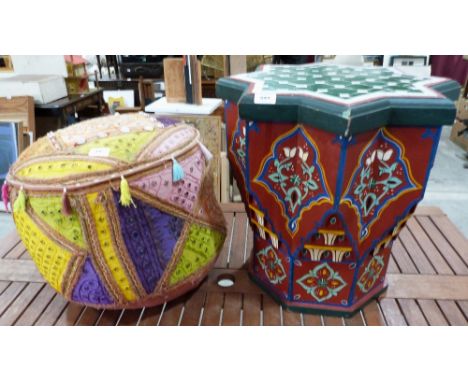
252	304
37	306
429	211
3	286
312	319
9	241
9	295
432	312
248	245
373	315
392	313
356	320
452	312
232	207
463	305
151	315
19	270
412	313
236	258
291	318
271	311
443	245
193	308
108	318
16	252
130	317
70	314
222	259
392	266
417	255
333	321
453	235
88	317
401	257
213	307
52	312
426	245
172	313
21	302
441	287
232	309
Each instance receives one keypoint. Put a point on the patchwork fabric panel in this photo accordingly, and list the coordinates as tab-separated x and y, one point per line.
49	210
107	248
61	168
124	147
89	288
182	193
201	247
150	236
51	259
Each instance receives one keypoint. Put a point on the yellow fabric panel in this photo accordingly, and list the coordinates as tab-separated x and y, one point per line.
49	210
105	240
50	258
124	147
61	168
201	247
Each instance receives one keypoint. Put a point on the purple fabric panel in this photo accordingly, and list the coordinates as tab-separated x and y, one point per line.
166	121
150	236
89	288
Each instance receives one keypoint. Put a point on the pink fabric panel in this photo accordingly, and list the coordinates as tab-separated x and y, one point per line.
184	192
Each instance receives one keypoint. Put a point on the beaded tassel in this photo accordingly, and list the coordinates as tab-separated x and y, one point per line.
125	195
177	171
66	206
5	196
20	203
205	151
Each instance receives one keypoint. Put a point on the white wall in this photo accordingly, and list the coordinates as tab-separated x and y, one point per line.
37	65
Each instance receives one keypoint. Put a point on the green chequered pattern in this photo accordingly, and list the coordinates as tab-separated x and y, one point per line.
201	247
336	81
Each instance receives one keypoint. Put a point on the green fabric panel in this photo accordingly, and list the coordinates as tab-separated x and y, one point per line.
49	210
124	147
201	246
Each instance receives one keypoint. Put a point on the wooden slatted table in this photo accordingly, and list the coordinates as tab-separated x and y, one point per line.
428	285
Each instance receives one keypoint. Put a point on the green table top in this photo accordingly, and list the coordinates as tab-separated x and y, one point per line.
341	98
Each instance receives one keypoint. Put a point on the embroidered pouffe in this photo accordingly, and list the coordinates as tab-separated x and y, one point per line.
118	211
331	161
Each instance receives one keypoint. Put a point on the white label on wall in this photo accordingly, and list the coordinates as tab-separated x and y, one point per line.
99	152
265	98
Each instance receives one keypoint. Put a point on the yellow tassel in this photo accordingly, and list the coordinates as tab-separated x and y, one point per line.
125	196
20	202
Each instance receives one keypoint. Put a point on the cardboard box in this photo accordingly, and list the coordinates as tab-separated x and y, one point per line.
460	140
43	88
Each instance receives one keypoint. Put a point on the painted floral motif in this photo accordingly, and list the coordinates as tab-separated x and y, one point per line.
272	265
238	144
382	176
322	282
293	174
371	273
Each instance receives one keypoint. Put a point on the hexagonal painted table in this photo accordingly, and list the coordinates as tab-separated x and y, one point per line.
331	162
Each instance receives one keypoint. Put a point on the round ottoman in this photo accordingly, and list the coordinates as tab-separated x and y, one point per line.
119	211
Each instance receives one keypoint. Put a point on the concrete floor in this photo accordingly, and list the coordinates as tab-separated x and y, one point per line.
447	188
